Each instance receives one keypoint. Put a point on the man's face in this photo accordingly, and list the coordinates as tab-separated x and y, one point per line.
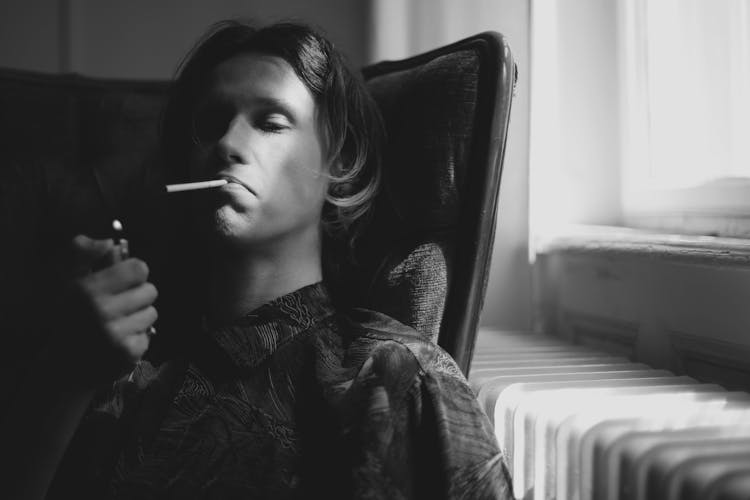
257	127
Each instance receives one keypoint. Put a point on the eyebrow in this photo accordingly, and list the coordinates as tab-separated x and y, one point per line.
272	102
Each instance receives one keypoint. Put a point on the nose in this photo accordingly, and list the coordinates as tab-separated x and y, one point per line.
234	145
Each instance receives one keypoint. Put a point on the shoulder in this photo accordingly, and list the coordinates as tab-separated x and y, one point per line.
382	341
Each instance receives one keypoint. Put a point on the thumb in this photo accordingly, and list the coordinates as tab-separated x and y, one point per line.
89	253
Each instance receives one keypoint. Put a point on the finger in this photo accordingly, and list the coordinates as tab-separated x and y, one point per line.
89	253
91	249
135	347
128	333
128	302
133	324
117	278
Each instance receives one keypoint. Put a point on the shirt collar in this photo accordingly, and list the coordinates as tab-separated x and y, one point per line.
252	339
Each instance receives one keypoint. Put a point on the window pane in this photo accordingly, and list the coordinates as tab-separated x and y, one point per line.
697	88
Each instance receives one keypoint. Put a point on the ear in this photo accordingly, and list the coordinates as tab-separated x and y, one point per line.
336	166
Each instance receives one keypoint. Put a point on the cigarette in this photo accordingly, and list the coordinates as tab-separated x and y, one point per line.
190	186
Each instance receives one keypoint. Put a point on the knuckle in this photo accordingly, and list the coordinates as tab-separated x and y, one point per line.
136	347
151	292
102	306
152	313
132	270
140	269
134	352
125	346
79	242
112	334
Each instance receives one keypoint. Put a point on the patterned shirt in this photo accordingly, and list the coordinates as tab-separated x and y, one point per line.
297	400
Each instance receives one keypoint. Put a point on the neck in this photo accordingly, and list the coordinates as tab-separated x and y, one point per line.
243	280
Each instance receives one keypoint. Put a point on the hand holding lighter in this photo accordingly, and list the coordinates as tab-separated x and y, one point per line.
122	252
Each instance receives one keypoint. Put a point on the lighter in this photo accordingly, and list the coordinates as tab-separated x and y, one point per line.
122	252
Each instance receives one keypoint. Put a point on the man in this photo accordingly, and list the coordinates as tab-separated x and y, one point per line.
271	389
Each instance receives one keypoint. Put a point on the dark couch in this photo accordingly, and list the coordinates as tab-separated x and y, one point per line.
74	153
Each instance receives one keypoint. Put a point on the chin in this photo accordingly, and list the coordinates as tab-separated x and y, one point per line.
225	227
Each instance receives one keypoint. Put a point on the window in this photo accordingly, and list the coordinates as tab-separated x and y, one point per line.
640	115
686	115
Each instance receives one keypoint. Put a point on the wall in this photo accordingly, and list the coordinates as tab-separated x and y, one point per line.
29	34
575	114
589	108
508	300
145	39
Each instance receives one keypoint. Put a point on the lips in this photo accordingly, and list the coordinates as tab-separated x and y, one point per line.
234	180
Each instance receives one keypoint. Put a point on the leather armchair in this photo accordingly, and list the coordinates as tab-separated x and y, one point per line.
76	152
446	116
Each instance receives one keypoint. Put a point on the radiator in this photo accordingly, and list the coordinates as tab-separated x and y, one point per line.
576	423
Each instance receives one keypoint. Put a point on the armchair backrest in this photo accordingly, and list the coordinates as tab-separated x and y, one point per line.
427	252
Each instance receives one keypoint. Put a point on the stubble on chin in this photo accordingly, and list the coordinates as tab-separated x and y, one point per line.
224	227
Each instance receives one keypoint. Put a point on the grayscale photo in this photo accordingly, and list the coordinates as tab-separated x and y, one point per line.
375	249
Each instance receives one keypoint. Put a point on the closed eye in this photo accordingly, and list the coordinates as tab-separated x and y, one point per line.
272	120
273	123
272	127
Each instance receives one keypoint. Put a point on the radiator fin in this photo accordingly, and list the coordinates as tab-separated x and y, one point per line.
576	423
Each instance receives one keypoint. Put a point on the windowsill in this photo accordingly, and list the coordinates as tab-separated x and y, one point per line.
672	301
720	207
623	242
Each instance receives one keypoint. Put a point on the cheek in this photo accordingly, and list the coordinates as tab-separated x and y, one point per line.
306	176
304	189
312	182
